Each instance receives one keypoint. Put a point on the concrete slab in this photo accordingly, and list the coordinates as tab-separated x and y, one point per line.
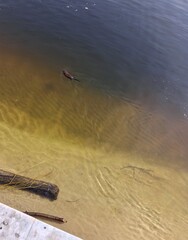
15	225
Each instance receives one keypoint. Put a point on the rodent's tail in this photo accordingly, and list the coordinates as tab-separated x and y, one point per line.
76	79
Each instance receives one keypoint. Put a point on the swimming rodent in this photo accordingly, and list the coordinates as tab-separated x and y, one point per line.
69	75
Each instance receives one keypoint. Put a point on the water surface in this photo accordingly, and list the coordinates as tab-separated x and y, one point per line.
115	143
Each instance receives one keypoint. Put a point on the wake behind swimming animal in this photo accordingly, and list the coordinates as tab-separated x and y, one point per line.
69	75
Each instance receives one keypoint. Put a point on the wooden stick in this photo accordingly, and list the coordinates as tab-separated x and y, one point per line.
41	188
46	216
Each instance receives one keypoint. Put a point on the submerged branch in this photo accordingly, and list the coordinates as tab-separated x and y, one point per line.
46	216
41	188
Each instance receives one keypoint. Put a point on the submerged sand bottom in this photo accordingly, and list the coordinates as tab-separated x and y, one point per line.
102	196
121	169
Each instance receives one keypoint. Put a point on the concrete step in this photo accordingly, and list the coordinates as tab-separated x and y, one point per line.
15	225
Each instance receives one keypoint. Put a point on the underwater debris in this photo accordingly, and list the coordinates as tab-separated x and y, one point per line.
42	188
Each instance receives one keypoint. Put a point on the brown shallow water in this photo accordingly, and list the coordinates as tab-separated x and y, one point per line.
121	168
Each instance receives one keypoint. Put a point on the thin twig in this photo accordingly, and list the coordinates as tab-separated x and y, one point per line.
70	201
46	216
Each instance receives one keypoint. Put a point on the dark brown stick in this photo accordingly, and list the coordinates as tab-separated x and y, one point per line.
41	188
46	216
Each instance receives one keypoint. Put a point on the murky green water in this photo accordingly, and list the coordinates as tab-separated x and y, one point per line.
117	149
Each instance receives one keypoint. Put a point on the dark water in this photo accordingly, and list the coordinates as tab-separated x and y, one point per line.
136	48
